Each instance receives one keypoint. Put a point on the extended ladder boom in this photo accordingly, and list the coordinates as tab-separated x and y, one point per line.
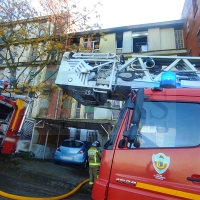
92	78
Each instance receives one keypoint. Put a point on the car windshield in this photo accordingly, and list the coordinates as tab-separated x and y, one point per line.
72	144
170	124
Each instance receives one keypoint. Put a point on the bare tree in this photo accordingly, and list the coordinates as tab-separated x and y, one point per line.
34	35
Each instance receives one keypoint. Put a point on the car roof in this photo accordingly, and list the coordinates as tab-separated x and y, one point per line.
77	140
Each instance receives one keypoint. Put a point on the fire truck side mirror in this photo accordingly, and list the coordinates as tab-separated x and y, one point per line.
134	137
138	103
133	133
121	143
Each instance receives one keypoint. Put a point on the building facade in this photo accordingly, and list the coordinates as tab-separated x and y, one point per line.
164	38
191	27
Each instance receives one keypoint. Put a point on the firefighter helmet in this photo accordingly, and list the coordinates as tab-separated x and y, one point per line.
96	144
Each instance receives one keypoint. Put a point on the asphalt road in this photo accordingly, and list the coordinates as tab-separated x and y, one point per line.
35	178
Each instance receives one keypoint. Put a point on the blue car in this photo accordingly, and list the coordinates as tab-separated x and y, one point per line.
73	151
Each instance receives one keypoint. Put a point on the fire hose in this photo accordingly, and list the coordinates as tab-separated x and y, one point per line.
12	196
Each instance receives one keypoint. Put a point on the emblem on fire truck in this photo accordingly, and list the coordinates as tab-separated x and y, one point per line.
160	162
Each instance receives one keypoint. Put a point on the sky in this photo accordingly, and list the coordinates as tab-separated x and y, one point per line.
115	13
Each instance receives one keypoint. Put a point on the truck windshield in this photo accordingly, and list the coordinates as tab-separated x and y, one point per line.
169	124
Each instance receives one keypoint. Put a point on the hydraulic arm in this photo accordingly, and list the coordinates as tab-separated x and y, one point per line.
92	78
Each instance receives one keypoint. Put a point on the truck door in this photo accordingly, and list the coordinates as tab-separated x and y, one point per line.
167	163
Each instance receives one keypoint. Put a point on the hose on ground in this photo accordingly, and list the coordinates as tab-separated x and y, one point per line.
12	196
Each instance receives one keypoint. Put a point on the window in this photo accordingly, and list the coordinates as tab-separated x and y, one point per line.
72	144
91	45
75	44
36	54
179	39
91	136
89	112
6	113
198	35
169	124
195	7
42	29
78	109
119	43
140	41
50	74
188	27
78	134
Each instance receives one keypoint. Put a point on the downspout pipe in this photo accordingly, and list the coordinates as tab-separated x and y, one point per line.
58	137
46	141
105	131
58	98
60	131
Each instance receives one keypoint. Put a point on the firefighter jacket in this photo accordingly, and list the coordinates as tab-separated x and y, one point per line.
94	156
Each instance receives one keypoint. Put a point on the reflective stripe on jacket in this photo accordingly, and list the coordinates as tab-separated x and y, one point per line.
94	156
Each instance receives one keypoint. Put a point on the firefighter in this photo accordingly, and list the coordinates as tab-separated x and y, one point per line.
94	155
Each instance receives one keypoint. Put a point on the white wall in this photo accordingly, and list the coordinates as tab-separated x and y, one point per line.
108	44
127	46
161	39
72	132
102	113
83	134
167	38
38	150
154	39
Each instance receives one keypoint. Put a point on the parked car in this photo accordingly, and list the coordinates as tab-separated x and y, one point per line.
73	151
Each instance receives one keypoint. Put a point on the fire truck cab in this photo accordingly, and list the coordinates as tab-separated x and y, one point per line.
160	157
154	149
13	121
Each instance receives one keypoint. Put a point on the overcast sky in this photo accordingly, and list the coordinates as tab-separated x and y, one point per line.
116	13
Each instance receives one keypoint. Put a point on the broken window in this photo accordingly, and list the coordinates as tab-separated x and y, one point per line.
92	46
140	41
42	29
75	42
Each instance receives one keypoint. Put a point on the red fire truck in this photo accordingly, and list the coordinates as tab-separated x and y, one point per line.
13	121
154	149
